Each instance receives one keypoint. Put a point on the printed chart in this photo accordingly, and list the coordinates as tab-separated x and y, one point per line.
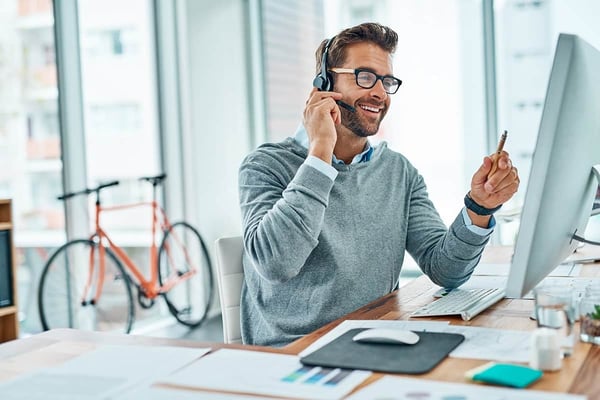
317	376
266	374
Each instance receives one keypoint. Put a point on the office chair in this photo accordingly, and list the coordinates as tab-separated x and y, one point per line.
230	277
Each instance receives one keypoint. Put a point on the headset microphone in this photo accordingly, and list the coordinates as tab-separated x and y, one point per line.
323	80
346	106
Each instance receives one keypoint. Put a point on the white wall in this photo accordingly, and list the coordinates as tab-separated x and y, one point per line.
218	113
579	17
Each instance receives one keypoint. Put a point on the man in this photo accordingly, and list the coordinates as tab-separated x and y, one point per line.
327	217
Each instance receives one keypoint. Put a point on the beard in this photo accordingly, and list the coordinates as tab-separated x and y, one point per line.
359	125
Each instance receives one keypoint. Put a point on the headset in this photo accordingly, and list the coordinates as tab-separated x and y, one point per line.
323	79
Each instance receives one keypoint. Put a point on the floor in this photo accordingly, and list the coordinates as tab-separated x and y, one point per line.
210	331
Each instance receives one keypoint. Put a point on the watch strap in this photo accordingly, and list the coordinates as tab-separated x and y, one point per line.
479	209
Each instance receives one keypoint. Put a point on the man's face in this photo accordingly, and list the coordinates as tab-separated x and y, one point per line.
371	104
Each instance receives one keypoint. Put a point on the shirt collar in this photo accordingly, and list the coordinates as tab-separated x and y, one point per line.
301	137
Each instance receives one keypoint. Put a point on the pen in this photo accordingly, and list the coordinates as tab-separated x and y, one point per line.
498	152
501	142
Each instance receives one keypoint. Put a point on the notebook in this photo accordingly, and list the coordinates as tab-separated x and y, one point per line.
418	358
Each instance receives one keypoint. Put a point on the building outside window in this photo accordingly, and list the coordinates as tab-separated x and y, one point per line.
121	129
30	165
120	118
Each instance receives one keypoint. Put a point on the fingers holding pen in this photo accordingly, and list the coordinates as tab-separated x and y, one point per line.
497	180
505	182
500	160
501	167
509	184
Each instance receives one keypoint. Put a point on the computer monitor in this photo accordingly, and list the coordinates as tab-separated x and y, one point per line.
562	184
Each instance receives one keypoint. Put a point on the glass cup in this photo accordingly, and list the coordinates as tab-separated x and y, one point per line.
589	315
555	309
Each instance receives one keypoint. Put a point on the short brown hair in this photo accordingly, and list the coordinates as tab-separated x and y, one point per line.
378	34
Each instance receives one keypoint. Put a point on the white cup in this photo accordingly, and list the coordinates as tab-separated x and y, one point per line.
545	353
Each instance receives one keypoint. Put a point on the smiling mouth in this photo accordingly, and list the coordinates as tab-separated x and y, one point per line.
370	109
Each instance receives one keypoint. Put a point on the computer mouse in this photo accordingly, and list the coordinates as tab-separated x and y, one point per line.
388	336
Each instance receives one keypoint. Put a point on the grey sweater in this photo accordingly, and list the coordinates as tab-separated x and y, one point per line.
315	249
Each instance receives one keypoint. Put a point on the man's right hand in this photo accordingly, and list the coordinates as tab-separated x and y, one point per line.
320	117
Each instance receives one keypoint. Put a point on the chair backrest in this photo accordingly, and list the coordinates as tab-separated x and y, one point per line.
230	277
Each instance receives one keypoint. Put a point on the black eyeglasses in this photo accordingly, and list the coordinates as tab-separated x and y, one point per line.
367	79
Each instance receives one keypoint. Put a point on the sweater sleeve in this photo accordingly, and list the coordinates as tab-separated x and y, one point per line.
281	221
446	256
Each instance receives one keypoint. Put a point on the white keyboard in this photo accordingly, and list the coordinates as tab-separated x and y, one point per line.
464	302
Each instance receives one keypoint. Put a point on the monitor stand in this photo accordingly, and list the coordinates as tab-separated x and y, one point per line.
595	208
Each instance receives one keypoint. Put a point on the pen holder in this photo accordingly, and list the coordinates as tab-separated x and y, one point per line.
546	353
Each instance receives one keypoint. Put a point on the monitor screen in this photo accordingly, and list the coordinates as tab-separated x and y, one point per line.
562	184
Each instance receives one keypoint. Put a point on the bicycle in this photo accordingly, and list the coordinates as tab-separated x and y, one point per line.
86	283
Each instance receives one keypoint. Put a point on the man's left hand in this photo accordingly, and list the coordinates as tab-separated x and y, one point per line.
493	189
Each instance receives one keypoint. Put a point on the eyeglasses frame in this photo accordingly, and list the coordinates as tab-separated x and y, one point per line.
356	71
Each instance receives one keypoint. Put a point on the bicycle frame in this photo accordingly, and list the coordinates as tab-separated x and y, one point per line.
150	287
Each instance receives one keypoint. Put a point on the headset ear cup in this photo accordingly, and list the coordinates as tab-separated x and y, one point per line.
319	82
323	83
329	82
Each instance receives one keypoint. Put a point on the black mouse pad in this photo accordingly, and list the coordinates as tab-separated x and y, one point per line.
418	358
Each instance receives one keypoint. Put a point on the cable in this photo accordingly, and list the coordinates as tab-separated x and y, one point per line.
584	240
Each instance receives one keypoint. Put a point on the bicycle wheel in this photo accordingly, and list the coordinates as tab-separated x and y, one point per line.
182	250
62	286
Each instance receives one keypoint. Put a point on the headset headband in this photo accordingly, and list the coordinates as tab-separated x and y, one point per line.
323	80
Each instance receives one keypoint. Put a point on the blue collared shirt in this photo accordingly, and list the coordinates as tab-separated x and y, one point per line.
301	137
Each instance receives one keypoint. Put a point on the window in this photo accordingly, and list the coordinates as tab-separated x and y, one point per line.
30	166
292	30
107	43
526	35
116	119
120	118
121	125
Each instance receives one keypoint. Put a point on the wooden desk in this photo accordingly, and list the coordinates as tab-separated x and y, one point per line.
578	374
53	347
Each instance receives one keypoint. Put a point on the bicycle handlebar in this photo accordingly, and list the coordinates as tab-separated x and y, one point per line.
154	180
88	190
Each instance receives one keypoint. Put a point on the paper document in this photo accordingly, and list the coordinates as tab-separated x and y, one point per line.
345	326
131	362
491	344
100	373
162	393
45	385
408	388
268	374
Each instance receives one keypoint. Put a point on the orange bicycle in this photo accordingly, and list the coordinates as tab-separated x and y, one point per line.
87	283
